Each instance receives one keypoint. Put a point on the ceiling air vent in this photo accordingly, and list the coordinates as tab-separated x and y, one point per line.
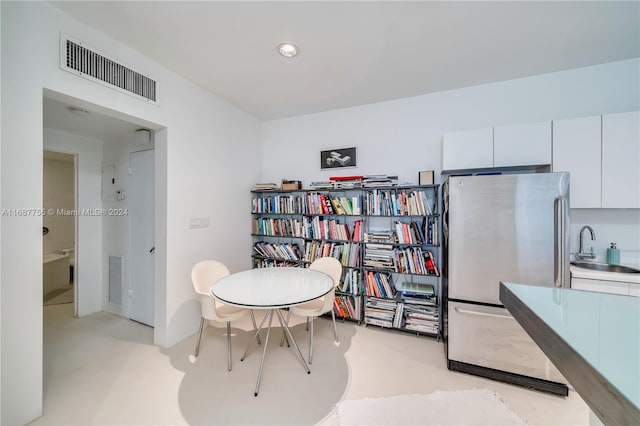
78	59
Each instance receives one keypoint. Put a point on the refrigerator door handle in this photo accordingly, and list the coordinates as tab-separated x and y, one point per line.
560	242
483	314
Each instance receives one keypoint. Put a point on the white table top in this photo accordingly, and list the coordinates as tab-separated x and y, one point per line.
269	288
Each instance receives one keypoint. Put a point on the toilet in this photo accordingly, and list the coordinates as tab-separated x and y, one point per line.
71	252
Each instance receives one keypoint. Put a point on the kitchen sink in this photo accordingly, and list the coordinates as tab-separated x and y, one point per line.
606	267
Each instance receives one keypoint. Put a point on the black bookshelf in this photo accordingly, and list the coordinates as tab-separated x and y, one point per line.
377	209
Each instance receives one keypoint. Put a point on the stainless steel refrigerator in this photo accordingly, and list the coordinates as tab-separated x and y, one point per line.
511	228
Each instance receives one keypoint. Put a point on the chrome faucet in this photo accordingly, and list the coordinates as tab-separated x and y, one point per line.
581	254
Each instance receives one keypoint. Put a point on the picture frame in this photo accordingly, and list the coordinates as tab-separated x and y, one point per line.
338	158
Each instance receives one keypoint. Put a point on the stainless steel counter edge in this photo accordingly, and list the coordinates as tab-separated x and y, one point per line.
604	276
609	404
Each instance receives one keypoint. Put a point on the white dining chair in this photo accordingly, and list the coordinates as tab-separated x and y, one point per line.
332	267
204	275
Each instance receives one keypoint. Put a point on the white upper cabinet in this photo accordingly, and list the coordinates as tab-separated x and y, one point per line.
504	146
621	160
470	149
577	150
522	145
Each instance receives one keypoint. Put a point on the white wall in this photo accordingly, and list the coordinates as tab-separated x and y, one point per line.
89	228
206	142
620	226
404	136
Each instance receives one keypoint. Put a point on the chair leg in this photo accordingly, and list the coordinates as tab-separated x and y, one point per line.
307	329
255	329
335	329
199	337
310	319
229	345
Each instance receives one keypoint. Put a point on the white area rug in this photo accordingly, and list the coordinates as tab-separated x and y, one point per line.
466	407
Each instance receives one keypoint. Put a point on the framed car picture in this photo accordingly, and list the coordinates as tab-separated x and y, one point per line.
338	158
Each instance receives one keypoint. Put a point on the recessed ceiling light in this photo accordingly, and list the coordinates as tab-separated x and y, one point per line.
78	111
288	50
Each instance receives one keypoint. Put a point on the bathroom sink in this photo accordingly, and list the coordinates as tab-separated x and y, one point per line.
606	267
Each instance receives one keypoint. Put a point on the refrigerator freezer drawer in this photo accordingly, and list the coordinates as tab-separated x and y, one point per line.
491	337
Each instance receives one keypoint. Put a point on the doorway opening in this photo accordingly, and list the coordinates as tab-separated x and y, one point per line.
106	268
58	228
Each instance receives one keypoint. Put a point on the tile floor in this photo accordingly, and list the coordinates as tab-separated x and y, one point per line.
104	370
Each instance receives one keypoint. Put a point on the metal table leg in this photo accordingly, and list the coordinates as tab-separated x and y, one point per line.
264	351
291	339
255	336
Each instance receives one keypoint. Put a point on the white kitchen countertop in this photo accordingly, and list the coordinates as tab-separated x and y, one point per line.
580	332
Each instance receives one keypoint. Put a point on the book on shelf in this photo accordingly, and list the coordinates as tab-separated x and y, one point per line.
356	205
419	301
351	282
357	230
345	307
283	251
397	321
338	208
418	289
379	284
274	263
432	268
376	321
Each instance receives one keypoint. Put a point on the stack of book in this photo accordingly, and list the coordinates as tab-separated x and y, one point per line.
321	185
418	294
346	182
265	187
380	237
379	181
423	319
380	312
378	256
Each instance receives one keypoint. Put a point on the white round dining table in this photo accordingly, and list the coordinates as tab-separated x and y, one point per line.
272	289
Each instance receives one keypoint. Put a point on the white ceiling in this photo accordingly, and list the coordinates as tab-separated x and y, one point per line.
361	52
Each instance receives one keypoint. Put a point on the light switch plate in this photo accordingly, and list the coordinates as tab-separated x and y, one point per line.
198	222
